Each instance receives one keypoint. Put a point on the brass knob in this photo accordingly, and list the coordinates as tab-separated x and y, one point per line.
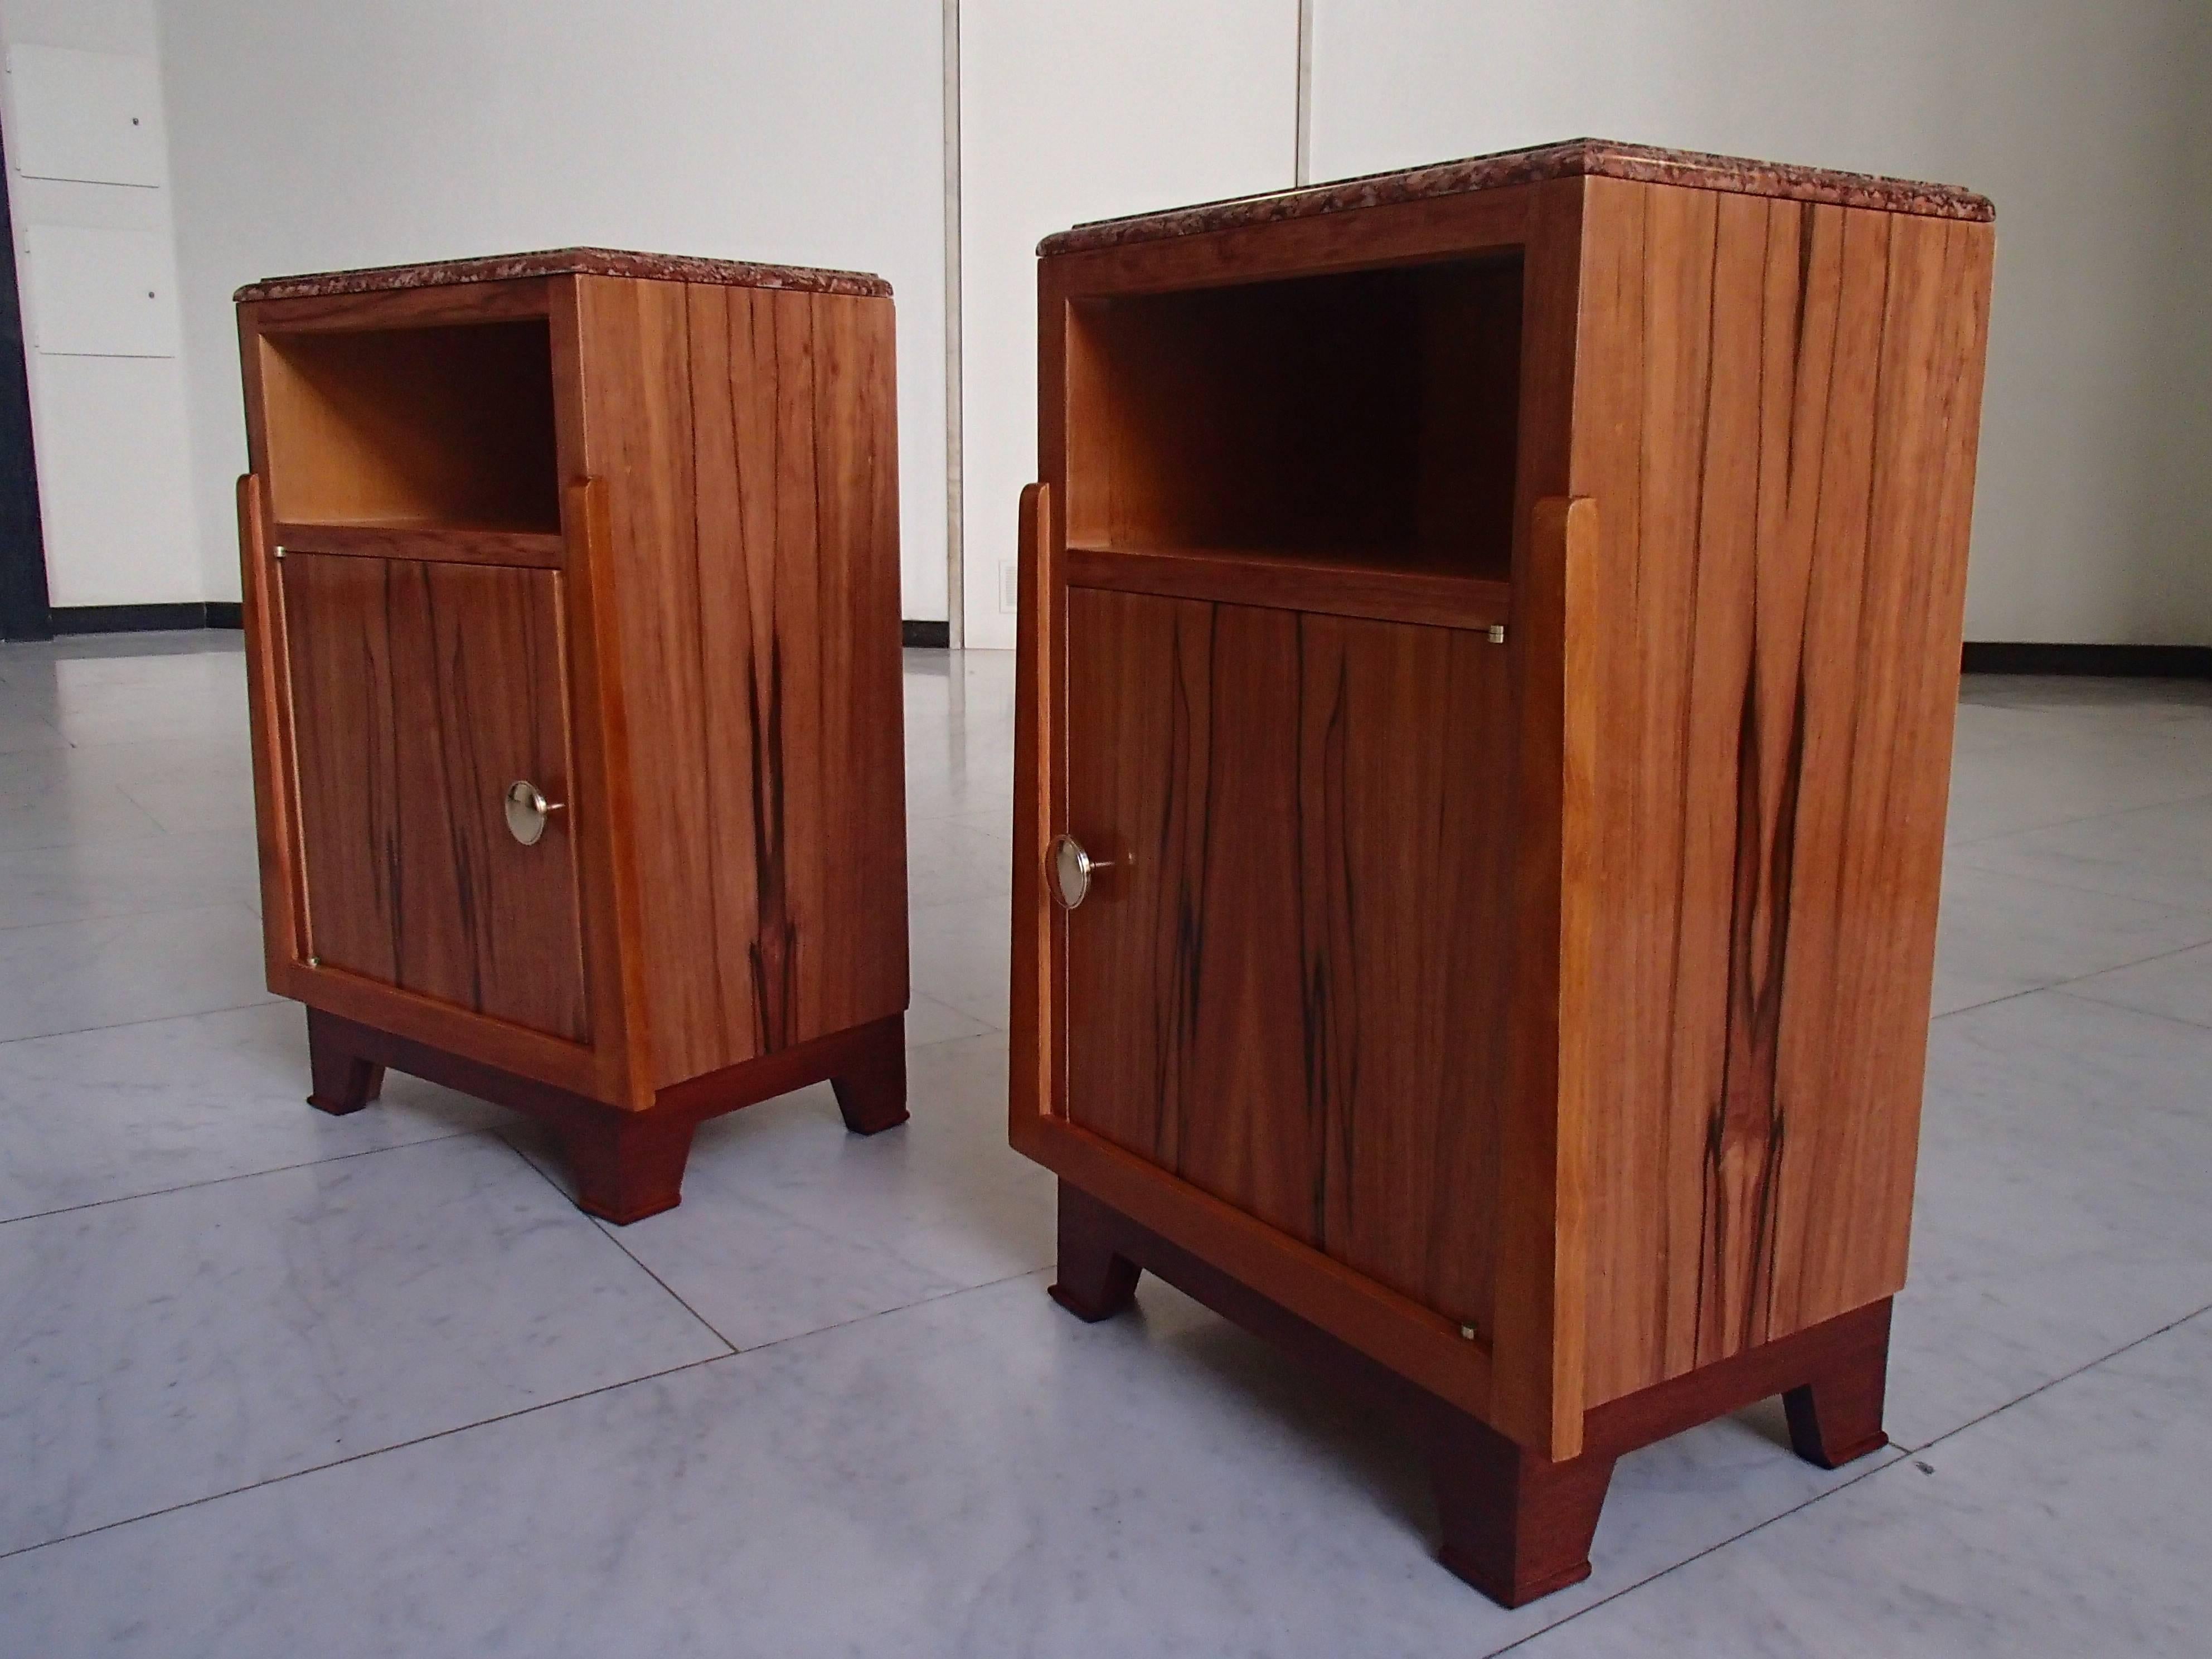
527	811
1072	869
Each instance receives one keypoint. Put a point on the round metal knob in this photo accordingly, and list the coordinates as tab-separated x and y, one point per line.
1072	869
527	811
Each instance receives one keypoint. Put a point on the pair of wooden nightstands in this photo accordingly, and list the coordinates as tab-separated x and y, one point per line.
1489	638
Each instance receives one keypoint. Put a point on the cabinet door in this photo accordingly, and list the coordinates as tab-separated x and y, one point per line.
1287	985
420	692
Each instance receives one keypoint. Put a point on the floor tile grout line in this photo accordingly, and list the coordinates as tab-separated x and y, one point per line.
132	914
904	1307
605	1230
505	1417
243	1174
2067	1377
2069	823
1719	1544
1905	1455
262	1001
2067	990
360	1457
2065	987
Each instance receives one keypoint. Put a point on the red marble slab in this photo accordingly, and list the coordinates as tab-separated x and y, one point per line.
1582	157
564	262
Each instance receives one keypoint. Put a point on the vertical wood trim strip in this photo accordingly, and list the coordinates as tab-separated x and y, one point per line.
1537	1384
283	910
606	861
1035	1017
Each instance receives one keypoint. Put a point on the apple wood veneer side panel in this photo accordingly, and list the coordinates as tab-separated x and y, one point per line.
747	441
795	424
1775	406
634	364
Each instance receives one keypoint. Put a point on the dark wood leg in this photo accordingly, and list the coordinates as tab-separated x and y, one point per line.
872	1085
628	1166
341	1081
1836	1416
1093	1283
1515	1525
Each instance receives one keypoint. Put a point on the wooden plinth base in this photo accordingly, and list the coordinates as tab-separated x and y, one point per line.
627	1164
1515	1525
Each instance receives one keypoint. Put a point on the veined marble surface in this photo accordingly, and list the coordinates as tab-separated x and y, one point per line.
274	1383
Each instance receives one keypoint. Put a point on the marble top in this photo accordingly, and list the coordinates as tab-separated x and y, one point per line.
1595	157
564	262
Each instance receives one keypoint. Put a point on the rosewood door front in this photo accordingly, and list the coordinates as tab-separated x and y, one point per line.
420	692
1285	982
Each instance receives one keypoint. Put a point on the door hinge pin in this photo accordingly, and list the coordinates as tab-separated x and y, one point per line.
1498	632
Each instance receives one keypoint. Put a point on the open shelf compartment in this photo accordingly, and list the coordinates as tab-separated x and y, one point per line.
1364	422
446	428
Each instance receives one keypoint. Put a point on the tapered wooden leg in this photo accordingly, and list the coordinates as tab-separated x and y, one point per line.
341	1081
1515	1525
872	1085
1093	1283
628	1166
1836	1416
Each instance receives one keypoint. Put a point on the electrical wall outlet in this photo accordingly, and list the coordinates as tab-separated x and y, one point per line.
1010	585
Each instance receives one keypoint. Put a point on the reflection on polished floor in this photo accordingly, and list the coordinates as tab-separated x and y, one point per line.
272	1382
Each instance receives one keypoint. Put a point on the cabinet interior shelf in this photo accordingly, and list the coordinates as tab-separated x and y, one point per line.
422	538
1382	584
448	427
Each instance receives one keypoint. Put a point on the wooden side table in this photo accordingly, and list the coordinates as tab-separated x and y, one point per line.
1490	639
571	587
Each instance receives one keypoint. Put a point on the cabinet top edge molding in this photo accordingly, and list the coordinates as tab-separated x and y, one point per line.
566	262
1577	158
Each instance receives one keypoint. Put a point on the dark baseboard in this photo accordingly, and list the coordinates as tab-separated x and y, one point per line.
926	635
127	618
2168	662
144	618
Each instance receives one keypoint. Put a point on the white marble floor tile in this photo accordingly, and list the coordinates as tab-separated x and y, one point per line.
791	1224
962	954
47	799
81	881
2178	986
2072	1523
2060	1213
74	975
23	727
158	1350
928	1020
184	784
2062	771
2001	935
2044	693
948	861
2160	855
126	1110
978	1476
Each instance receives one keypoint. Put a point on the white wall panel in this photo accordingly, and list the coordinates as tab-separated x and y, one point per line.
2086	124
100	293
89	117
109	497
1072	113
306	138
